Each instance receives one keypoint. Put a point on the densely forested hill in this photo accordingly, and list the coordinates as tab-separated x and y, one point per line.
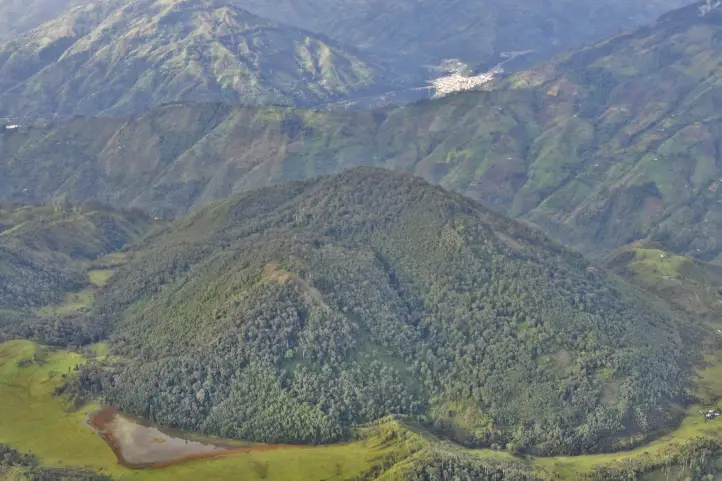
118	56
292	312
607	145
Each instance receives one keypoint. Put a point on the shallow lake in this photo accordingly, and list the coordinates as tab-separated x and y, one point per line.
139	444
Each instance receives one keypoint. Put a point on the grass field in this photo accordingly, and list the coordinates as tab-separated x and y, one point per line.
33	420
74	302
100	277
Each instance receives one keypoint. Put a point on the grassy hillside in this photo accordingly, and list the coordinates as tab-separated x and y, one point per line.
289	314
607	145
691	286
120	57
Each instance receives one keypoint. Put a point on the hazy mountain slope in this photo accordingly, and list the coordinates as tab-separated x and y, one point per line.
642	113
19	16
418	32
289	313
116	56
604	146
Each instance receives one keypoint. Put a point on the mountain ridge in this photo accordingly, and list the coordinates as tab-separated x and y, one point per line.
584	146
113	57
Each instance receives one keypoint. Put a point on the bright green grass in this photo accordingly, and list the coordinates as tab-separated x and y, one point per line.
100	277
101	350
655	262
12	474
33	420
74	302
709	379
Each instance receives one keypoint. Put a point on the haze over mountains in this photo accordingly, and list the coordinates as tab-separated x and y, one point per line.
520	282
475	31
600	147
119	57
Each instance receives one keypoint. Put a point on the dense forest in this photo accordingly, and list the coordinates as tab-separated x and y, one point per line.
42	248
45	254
292	313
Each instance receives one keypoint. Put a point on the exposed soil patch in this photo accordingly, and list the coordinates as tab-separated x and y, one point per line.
141	445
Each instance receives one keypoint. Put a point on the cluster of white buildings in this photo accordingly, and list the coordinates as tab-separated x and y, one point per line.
459	83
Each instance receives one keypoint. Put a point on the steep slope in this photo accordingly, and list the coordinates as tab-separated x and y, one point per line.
290	313
42	248
633	149
424	32
691	286
117	56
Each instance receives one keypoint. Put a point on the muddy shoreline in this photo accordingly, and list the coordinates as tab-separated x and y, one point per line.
143	445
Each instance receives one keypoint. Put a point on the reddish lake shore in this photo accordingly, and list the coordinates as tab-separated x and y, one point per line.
141	445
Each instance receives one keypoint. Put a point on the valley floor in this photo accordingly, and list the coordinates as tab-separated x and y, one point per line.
33	420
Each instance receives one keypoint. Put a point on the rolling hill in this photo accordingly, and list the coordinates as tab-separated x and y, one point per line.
691	286
601	147
292	313
51	263
119	57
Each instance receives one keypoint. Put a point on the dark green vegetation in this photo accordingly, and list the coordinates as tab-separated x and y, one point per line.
610	144
10	457
117	56
46	253
291	313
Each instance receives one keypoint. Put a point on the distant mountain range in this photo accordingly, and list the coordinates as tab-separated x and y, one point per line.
424	32
606	145
89	57
114	57
19	16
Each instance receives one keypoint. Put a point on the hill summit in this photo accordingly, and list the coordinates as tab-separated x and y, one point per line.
121	57
291	313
